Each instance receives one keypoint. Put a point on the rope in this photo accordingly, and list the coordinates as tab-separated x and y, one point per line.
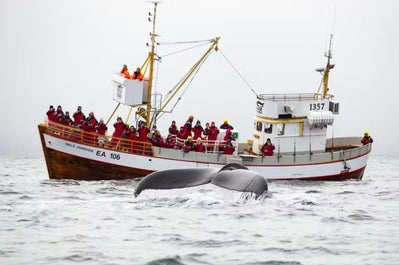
184	42
183	50
202	42
110	117
186	86
237	72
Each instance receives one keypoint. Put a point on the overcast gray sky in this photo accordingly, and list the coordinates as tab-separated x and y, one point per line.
64	53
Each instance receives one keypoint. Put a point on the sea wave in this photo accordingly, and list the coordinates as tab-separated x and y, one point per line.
46	221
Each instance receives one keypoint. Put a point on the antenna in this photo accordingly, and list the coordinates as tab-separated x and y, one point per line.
330	30
335	15
328	53
152	18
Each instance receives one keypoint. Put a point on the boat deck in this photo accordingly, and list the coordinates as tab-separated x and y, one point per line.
338	149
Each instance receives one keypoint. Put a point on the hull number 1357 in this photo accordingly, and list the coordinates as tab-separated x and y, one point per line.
317	106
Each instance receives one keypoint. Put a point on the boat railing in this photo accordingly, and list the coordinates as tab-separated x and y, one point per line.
78	135
355	150
214	147
338	149
291	97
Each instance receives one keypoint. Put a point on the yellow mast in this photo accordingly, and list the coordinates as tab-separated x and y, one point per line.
326	72
146	114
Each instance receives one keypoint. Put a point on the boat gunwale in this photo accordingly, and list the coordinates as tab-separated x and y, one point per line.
339	150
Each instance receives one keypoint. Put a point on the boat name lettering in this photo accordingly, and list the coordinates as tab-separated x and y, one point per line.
85	148
115	156
104	154
317	106
80	147
100	153
70	145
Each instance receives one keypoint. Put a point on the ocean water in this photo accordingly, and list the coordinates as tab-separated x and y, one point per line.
46	221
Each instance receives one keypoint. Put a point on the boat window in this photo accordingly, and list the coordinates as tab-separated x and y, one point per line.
258	126
280	128
268	128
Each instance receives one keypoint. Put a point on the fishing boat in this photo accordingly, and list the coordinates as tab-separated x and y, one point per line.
297	125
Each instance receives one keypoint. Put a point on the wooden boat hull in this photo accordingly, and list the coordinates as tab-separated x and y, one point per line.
66	166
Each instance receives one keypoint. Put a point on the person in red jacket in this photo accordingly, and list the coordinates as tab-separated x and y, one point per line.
92	120
125	72
267	148
229	136
156	139
101	127
170	142
143	131
197	130
366	139
133	134
212	135
132	137
88	131
51	115
229	148
199	146
78	116
120	127
59	113
188	145
137	74
180	138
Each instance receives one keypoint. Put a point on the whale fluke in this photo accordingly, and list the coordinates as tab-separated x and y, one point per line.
241	180
233	176
176	178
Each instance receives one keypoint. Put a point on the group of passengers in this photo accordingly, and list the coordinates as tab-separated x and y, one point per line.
80	121
182	138
136	74
204	138
191	138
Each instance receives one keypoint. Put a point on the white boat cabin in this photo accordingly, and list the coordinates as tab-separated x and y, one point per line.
294	122
129	91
